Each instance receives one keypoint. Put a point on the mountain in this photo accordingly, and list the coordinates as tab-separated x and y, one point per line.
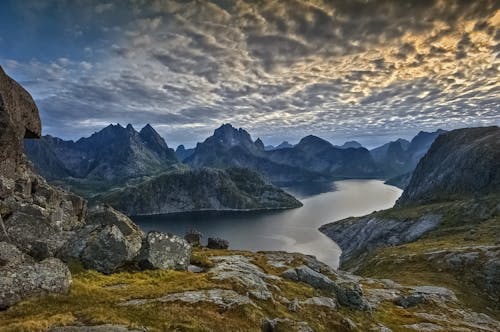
201	189
113	154
401	156
182	153
350	144
461	163
282	145
312	158
444	228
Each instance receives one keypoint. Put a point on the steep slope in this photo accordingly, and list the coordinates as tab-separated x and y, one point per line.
201	189
109	156
445	227
460	164
400	156
182	153
312	159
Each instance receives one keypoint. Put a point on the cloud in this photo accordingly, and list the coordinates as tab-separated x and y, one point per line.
282	69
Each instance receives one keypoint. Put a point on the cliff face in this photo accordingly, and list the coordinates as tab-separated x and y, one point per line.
202	189
462	163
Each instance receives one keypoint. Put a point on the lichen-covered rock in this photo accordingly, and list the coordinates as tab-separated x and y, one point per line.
217	243
164	251
21	281
102	247
95	328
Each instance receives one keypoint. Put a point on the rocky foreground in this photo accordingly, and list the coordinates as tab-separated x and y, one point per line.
243	291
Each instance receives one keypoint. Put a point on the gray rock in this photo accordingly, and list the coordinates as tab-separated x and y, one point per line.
239	269
193	237
10	255
164	251
102	247
224	298
106	215
217	243
321	302
21	281
348	293
285	324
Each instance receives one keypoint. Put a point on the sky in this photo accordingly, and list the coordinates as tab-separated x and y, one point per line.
370	70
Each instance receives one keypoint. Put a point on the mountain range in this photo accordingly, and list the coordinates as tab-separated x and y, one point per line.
118	155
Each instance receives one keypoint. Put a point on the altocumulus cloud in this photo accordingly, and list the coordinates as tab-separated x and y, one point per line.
282	69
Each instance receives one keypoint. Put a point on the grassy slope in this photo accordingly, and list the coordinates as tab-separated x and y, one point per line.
466	224
94	296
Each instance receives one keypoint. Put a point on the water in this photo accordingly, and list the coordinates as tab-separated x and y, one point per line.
290	230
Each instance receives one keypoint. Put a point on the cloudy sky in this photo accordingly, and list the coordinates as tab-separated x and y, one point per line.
365	69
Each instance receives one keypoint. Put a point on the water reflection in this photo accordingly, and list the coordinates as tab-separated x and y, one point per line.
291	230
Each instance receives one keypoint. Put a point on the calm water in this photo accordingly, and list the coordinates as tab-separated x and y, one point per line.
291	230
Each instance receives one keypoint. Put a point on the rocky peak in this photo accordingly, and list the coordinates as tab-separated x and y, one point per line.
19	119
351	144
230	136
313	144
259	144
460	163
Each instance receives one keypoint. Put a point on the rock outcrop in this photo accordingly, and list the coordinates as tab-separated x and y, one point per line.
358	236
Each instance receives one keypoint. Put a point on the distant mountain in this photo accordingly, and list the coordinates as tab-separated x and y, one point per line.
112	154
202	189
350	144
400	156
283	145
182	153
461	163
312	158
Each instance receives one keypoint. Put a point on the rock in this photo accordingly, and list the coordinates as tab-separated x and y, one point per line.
19	119
21	281
106	215
357	236
164	251
193	237
410	300
103	248
238	269
424	327
423	294
285	324
349	324
10	255
224	298
294	306
348	293
217	243
321	301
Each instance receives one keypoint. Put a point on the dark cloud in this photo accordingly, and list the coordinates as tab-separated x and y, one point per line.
282	69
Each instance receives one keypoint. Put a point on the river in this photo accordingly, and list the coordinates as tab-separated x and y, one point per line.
289	230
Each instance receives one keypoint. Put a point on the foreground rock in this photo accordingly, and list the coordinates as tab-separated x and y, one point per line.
164	251
21	277
217	243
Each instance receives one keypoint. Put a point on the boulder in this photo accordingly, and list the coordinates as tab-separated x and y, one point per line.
102	247
21	281
106	215
217	243
193	237
164	251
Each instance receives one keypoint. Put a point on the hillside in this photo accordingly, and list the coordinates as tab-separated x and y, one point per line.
445	227
201	189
